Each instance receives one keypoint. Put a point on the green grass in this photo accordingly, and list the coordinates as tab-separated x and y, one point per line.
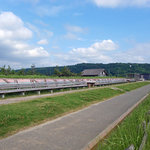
31	93
51	77
130	131
132	86
14	117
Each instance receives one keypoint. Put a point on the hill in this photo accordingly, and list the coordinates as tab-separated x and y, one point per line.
113	69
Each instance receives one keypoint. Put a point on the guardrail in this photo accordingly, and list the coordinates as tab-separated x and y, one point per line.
26	85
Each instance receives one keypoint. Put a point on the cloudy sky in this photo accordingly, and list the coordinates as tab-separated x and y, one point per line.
66	32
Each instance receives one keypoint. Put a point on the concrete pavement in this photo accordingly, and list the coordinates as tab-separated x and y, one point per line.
74	131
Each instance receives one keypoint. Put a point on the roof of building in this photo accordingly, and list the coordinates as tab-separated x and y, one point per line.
92	72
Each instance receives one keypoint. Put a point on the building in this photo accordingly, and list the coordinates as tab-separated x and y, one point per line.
135	76
145	76
94	72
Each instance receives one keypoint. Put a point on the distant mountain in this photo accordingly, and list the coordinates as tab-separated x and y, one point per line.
113	69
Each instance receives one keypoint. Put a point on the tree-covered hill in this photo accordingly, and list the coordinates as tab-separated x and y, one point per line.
114	69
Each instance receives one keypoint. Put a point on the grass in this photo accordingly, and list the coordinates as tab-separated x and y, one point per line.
18	116
51	77
132	86
130	131
15	117
31	93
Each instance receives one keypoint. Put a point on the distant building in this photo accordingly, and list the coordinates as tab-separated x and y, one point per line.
145	76
134	75
94	72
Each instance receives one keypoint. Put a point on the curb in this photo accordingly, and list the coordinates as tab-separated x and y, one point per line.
104	133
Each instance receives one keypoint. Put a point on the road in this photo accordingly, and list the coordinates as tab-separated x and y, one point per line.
74	131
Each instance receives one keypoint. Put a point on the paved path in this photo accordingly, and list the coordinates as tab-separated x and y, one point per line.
74	131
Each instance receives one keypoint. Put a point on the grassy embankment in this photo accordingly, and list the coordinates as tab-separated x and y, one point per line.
31	93
132	86
50	77
130	131
18	116
14	117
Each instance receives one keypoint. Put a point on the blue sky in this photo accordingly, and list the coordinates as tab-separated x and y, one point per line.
66	32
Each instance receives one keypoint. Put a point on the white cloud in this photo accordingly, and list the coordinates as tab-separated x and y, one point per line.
140	53
105	45
72	36
106	51
12	27
13	40
35	52
40	32
49	11
122	3
77	29
43	42
94	49
97	52
74	32
48	33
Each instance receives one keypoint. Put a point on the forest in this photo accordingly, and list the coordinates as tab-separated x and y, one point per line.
113	69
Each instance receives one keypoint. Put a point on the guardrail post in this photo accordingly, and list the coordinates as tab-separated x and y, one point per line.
23	93
51	91
3	95
38	92
70	89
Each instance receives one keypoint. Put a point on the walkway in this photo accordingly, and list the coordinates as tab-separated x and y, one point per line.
74	131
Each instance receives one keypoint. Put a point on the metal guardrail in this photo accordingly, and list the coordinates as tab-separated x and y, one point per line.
38	85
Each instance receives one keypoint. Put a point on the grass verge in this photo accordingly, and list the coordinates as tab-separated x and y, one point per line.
130	131
18	116
52	77
31	93
132	86
14	117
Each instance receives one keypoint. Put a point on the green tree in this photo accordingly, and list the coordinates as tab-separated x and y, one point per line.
66	72
13	71
8	70
57	72
21	72
3	70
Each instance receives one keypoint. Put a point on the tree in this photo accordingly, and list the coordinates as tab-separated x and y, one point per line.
57	72
21	72
3	70
66	72
13	71
8	70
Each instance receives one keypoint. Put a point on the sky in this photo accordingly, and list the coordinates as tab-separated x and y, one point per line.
66	32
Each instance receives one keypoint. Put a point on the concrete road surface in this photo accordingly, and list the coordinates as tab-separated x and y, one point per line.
74	131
